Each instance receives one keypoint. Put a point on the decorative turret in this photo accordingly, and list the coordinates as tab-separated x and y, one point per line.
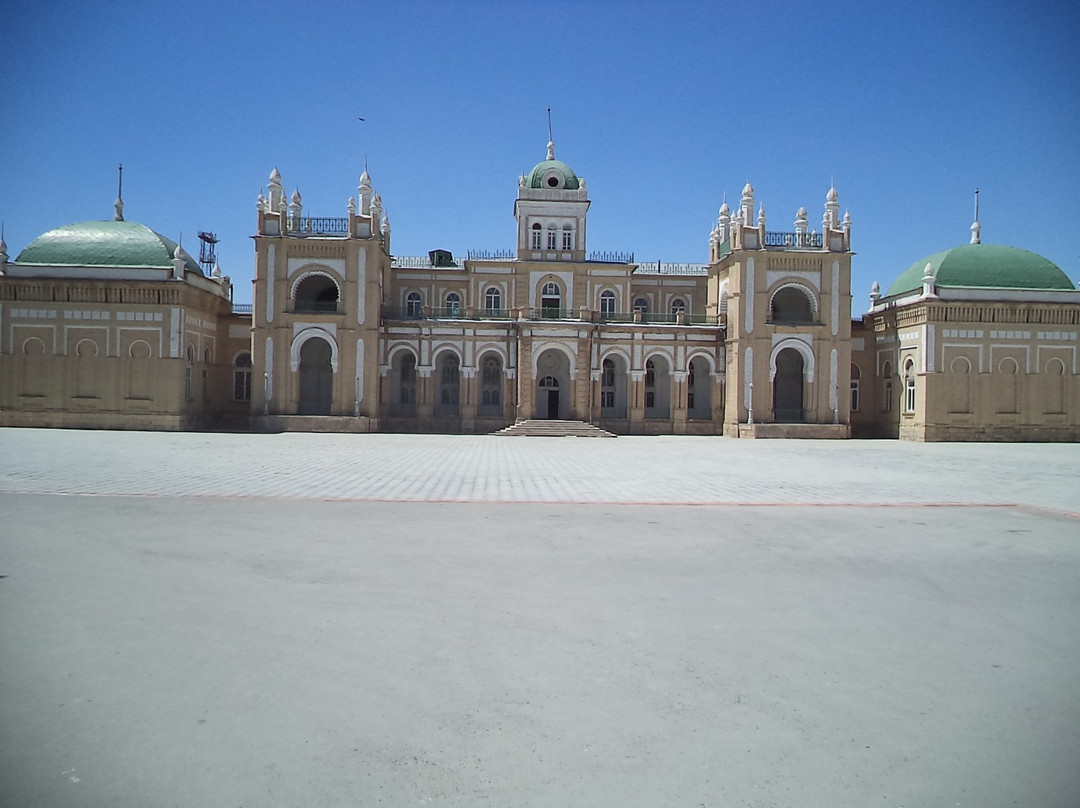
801	224
928	282
260	203
831	219
351	207
297	207
875	294
761	219
746	205
178	262
3	251
277	190
363	191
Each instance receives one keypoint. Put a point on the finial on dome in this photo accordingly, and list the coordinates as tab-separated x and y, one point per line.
832	195
976	228
119	203
275	176
296	198
551	140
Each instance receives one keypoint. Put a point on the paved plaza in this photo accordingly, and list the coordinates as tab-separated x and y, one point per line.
326	620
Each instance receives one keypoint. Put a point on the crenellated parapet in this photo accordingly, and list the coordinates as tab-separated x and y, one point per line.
746	229
279	215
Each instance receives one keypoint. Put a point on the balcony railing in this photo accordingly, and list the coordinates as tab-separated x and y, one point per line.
793	241
671	268
548	313
315	307
242	308
491	255
420	262
318	226
611	257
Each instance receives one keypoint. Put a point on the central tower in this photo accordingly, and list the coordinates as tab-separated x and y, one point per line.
550	209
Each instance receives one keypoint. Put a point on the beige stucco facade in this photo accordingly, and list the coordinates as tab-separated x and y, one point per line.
343	335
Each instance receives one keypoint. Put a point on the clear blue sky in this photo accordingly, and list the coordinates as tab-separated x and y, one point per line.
661	106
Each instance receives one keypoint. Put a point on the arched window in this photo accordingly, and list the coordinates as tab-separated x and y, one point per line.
552	239
909	386
607	304
491	378
414	305
493	300
567	237
316	293
856	376
453	304
407	380
678	305
449	384
642	305
242	377
206	356
791	305
537	235
607	385
550	300
886	373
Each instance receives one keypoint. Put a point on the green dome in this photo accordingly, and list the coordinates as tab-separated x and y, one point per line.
104	244
553	174
985	266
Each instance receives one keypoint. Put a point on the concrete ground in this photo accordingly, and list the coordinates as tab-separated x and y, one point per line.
323	620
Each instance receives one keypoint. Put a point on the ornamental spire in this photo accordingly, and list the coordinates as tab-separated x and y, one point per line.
119	203
551	140
976	228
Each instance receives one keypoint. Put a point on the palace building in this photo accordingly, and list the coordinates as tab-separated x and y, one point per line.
108	324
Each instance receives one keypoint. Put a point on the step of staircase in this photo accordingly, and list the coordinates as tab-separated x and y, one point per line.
537	428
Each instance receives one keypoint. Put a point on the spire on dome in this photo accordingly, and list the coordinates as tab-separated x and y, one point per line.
551	140
976	228
119	203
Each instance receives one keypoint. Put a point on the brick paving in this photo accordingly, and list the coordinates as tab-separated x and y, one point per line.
325	620
446	468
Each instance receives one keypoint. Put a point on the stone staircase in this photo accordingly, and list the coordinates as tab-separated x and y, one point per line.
555	429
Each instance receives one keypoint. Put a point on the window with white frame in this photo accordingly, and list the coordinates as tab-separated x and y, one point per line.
607	385
453	304
493	300
909	386
536	236
552	237
567	237
678	305
642	305
414	305
242	378
607	303
856	377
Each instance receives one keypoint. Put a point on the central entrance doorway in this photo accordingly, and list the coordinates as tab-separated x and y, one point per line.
553	393
788	387
316	377
549	395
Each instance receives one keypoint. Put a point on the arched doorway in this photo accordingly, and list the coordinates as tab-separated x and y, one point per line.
788	387
553	385
316	377
698	390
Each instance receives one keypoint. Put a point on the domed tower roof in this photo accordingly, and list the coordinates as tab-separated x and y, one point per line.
553	174
984	266
104	244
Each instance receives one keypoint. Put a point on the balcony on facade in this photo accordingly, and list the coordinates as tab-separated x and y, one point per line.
546	313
